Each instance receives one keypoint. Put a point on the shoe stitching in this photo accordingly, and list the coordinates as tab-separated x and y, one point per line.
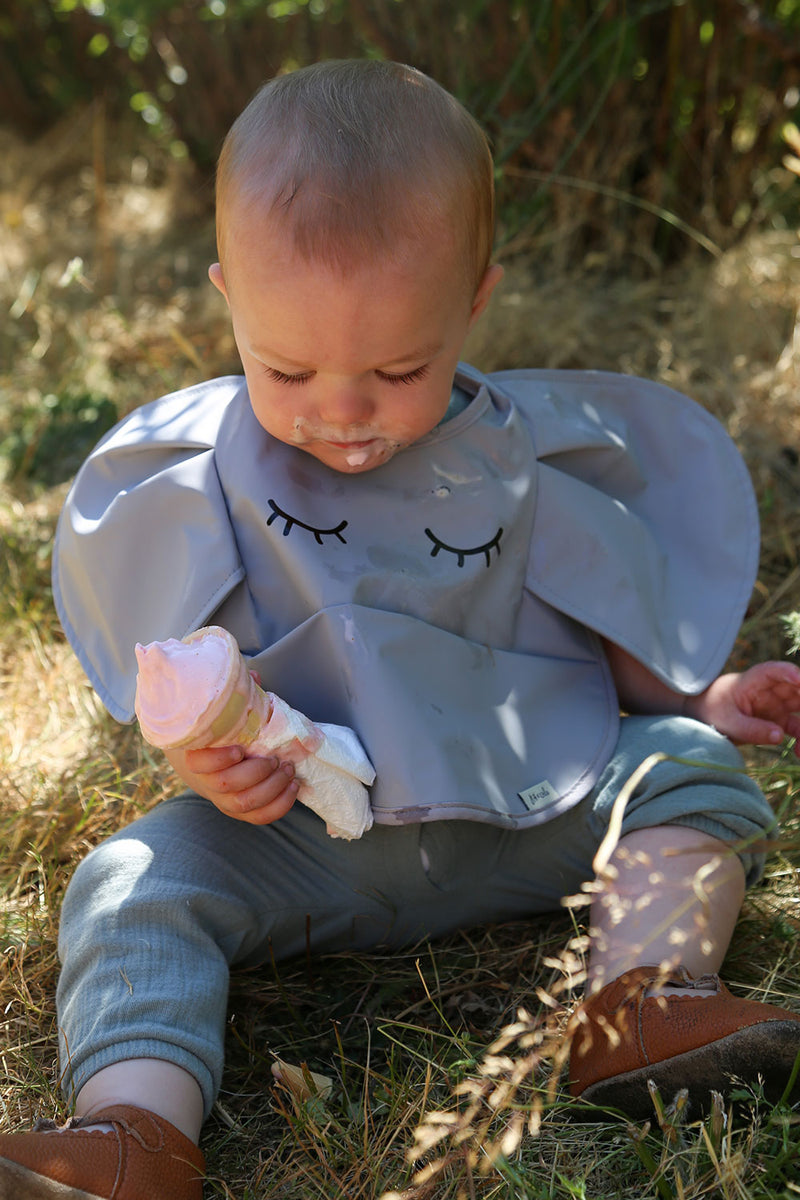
153	1147
708	980
640	999
122	1161
143	1124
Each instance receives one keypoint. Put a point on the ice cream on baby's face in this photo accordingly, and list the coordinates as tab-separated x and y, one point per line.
194	692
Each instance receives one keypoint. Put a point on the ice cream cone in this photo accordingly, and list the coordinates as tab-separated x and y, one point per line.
198	692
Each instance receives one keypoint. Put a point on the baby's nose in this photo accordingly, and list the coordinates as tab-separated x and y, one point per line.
347	404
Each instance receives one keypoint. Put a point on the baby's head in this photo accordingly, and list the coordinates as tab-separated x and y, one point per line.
353	159
355	210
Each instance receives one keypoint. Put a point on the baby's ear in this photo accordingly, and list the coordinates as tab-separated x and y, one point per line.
493	275
217	278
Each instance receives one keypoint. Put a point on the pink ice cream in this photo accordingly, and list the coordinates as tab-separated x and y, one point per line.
198	692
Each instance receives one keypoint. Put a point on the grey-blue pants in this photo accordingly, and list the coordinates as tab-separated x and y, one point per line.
155	916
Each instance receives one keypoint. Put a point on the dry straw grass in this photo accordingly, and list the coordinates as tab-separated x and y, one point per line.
441	1058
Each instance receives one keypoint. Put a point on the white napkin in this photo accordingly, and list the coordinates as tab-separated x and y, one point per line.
330	764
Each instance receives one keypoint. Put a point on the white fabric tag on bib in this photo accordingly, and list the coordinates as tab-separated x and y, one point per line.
537	794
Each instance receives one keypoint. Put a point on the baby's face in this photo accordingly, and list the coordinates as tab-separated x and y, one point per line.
349	366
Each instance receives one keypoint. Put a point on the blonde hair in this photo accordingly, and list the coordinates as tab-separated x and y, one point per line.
356	156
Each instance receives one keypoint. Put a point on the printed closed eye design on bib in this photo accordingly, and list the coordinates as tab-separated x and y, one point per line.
462	553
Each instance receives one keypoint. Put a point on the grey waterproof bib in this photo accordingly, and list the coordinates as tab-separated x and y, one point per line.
447	605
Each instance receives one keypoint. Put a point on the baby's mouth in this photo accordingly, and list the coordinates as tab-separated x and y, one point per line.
357	452
304	433
354	445
360	454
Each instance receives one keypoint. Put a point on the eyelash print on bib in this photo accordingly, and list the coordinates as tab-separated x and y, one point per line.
319	534
460	553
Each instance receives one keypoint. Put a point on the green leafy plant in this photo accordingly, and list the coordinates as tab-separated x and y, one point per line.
46	441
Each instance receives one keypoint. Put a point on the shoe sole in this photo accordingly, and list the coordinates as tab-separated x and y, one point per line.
20	1183
766	1051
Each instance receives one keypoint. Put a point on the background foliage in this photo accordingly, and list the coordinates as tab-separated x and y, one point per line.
677	105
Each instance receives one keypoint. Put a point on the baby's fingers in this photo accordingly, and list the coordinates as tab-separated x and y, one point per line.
211	759
753	731
780	677
256	790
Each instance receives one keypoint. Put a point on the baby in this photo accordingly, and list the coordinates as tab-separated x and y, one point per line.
478	575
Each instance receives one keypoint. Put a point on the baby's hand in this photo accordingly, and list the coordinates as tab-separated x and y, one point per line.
256	790
759	707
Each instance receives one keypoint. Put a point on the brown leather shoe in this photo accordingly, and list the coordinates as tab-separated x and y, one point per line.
142	1158
621	1038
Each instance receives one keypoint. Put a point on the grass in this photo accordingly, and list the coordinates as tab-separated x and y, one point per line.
441	1058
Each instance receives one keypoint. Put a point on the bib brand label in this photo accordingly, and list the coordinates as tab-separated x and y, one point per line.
537	795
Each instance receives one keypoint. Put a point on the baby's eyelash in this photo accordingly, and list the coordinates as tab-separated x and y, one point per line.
282	377
407	376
